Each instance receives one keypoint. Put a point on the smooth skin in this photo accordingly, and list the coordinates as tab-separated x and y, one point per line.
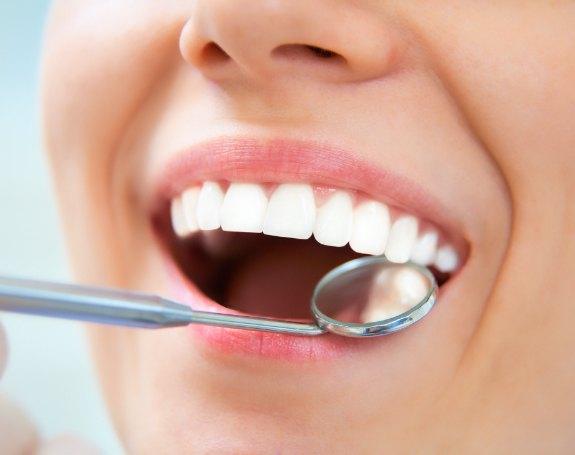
473	100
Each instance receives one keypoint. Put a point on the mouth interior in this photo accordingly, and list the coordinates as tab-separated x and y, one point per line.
258	274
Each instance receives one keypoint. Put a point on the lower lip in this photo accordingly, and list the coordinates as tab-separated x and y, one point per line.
253	343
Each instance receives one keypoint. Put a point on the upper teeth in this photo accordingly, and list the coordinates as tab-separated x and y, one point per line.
209	206
292	211
244	208
370	230
334	220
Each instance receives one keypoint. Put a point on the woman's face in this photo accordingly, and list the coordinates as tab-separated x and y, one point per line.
441	131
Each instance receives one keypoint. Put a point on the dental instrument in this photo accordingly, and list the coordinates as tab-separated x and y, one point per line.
364	297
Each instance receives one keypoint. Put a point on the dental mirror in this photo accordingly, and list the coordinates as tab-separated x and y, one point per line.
371	296
364	297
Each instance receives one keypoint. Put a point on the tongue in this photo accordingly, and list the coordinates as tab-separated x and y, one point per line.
278	281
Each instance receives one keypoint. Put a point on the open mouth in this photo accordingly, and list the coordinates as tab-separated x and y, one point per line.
258	247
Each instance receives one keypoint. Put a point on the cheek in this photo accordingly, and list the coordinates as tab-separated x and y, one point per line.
100	63
98	66
511	67
108	346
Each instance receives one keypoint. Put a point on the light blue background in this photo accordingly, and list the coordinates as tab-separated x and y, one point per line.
49	371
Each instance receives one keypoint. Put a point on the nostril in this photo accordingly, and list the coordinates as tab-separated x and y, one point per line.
322	53
213	53
308	53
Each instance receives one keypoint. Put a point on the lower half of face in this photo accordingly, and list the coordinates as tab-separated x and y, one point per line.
229	154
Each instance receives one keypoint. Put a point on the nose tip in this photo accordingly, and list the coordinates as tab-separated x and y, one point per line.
326	40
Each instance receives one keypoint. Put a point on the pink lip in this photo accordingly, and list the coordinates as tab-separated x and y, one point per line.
286	160
278	160
247	342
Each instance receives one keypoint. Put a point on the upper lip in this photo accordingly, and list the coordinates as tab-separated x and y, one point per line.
287	160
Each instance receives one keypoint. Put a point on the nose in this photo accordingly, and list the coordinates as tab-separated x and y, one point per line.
328	40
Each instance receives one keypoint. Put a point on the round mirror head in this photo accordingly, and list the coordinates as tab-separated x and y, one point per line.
371	296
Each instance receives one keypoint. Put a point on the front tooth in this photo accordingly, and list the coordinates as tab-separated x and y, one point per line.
334	220
178	221
447	259
425	249
291	211
402	237
209	204
370	228
244	208
189	203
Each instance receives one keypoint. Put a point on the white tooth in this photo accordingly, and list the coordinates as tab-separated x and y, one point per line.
425	248
209	204
402	237
189	203
334	220
178	221
291	211
244	208
370	228
447	259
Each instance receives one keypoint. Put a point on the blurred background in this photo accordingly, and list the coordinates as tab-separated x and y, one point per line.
49	370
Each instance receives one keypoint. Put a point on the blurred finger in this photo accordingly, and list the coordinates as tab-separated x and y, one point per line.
18	434
67	445
3	350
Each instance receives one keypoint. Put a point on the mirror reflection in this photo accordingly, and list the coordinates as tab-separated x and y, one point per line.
375	293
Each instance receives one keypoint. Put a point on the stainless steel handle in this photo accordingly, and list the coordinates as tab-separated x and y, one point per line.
84	303
127	308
